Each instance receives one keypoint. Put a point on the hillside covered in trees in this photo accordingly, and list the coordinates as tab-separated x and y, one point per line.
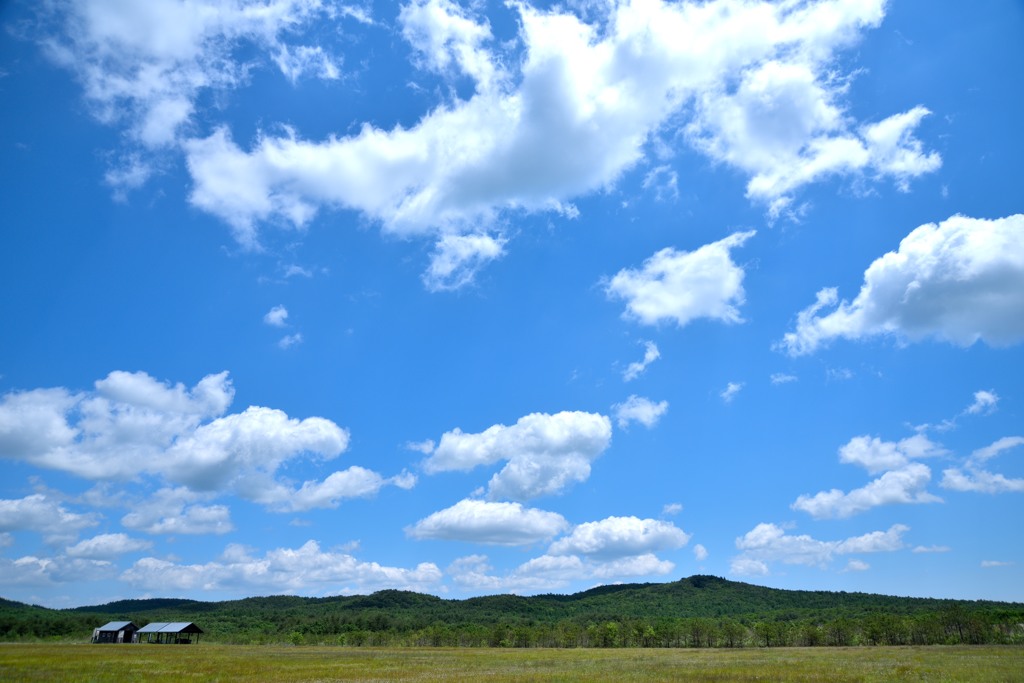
700	611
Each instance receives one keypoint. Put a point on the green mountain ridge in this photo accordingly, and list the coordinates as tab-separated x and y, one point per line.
695	596
710	602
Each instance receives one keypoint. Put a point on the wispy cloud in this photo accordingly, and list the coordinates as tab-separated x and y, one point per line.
931	549
731	391
290	340
637	368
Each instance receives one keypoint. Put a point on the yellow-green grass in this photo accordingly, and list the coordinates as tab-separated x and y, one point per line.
208	662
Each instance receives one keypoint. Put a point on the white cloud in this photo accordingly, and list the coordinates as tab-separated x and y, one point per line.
473	571
783	378
549	573
974	476
960	281
664	181
639	409
256	441
457	259
354	482
128	413
682	286
104	495
544	453
753	85
613	549
444	36
426	447
647	564
405	480
671	509
988	452
31	570
210	397
746	566
563	111
894	151
276	316
177	511
166	432
547	568
191	520
767	543
857	566
637	368
989	564
901	486
294	62
539	574
290	340
144	64
130	173
873	454
931	549
619	537
783	126
107	546
984	403
730	391
700	553
876	455
875	541
839	374
478	521
33	422
307	570
903	480
39	514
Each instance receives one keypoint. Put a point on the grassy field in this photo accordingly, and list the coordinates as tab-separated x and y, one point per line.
207	662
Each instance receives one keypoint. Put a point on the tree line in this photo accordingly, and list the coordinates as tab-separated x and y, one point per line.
951	627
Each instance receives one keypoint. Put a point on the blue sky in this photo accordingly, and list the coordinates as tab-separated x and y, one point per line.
468	298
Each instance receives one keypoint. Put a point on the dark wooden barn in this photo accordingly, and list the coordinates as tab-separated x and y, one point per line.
115	632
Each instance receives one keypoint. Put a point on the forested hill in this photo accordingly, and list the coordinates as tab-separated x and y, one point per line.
398	615
697	596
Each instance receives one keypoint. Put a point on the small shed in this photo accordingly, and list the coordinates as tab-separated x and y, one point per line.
115	632
177	632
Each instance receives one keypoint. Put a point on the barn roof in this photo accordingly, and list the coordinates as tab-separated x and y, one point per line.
116	626
171	627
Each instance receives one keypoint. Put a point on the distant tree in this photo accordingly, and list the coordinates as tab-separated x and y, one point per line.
610	634
733	633
926	629
839	632
810	634
764	631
